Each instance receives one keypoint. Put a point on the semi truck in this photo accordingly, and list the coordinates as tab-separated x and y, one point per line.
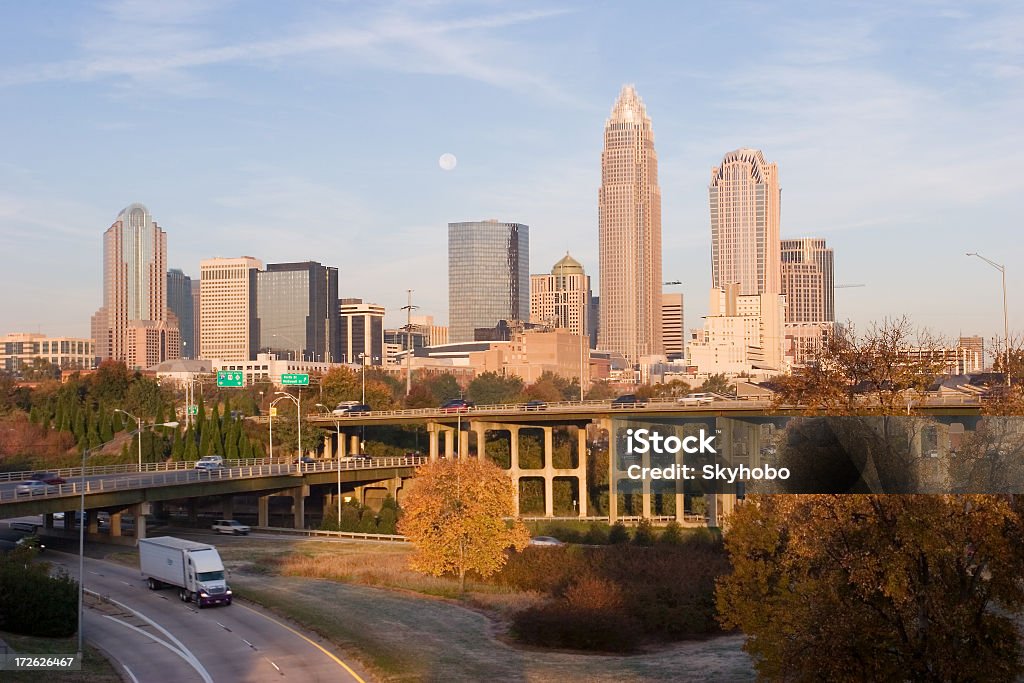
195	569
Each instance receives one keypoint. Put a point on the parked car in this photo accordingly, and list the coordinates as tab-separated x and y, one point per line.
210	462
305	460
48	478
545	540
33	487
230	526
457	405
535	404
628	400
697	399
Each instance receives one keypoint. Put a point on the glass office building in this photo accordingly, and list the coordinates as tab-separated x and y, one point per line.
297	311
179	300
488	275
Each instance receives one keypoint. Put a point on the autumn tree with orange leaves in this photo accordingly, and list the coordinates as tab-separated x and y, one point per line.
455	512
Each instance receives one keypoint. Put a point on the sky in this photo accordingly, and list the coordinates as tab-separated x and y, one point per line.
313	130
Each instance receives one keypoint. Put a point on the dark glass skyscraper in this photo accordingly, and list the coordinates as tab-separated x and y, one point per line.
297	311
181	303
488	275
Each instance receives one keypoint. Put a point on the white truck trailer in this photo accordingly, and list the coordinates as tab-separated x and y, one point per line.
195	569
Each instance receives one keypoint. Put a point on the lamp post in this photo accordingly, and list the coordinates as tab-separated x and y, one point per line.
1006	321
138	422
362	362
298	418
337	456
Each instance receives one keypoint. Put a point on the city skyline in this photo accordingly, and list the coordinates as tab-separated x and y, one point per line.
889	127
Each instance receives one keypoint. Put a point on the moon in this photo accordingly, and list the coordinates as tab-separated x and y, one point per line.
447	161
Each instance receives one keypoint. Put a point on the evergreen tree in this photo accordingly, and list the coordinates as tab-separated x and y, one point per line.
79	428
388	521
106	427
244	447
34	415
204	441
94	430
191	449
216	438
230	445
368	522
177	446
160	419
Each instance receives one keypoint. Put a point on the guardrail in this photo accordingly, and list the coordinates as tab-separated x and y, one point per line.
285	531
93	470
192	476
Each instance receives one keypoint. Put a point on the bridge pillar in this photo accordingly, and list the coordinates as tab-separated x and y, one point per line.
581	468
359	493
193	514
353	444
480	429
613	482
48	520
432	438
299	506
227	507
645	487
93	522
514	471
329	445
549	472
341	444
464	443
263	511
115	524
140	522
449	443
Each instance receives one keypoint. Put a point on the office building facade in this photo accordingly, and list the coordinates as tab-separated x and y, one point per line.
179	300
629	232
562	298
673	333
745	200
297	311
811	250
228	329
19	352
361	333
488	275
134	285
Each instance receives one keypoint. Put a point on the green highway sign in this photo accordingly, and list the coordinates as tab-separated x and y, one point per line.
230	378
295	378
193	410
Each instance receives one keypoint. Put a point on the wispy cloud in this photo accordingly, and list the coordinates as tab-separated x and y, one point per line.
175	40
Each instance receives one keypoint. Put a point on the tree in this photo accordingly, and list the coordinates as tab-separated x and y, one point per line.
490	388
890	587
454	514
599	390
718	384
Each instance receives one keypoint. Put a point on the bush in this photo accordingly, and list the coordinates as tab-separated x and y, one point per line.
559	625
644	534
34	603
597	534
388	522
672	535
618	534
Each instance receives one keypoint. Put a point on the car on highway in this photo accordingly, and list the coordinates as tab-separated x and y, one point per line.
230	526
697	399
628	400
457	405
350	408
305	460
48	478
210	462
535	404
31	541
34	487
545	541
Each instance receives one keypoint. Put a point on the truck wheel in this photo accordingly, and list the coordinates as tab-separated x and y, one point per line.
182	595
199	603
152	584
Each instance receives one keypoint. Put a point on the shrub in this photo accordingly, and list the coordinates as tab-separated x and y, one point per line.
560	625
618	534
644	534
387	524
594	593
368	522
34	603
597	534
672	535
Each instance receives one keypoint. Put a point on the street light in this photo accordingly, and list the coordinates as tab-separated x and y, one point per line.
1006	322
298	417
138	422
362	361
337	456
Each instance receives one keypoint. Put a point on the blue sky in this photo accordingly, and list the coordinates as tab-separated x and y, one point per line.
295	131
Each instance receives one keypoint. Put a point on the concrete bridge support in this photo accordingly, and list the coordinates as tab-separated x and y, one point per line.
299	494
263	510
48	520
115	525
138	512
227	507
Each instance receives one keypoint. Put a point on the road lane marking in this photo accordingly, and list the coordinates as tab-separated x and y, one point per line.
223	626
340	663
129	672
189	658
250	644
275	666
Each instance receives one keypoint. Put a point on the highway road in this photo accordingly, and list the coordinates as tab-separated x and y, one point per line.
158	638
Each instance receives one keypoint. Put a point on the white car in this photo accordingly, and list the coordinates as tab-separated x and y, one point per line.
697	399
230	526
545	540
210	462
33	487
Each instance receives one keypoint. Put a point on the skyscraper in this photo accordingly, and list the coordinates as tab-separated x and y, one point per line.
745	198
488	275
810	250
228	329
562	298
133	324
629	231
672	332
297	310
179	300
361	328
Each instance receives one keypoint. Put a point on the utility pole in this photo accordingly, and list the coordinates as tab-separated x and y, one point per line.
408	343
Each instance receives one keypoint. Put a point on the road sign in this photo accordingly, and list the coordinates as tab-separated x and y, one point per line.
193	410
273	411
295	378
230	378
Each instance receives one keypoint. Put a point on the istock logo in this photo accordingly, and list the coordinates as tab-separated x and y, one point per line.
644	440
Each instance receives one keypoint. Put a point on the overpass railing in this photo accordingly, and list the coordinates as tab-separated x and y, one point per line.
192	476
353	535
